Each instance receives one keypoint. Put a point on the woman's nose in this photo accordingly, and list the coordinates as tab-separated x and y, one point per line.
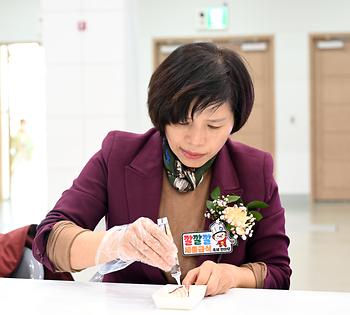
196	137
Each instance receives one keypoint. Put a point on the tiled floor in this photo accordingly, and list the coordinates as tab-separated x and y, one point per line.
319	249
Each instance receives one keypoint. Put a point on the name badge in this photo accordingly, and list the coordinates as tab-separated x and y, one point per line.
215	241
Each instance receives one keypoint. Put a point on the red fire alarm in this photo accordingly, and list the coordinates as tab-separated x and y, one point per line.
81	26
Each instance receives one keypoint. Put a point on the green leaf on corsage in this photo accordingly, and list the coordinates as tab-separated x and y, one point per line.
210	204
257	215
256	205
215	194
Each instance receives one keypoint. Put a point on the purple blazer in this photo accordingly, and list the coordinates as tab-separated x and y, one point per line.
123	181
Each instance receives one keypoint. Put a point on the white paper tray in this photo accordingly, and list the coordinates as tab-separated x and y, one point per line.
163	299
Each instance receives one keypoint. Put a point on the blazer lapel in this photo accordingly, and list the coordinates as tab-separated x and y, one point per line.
225	177
143	182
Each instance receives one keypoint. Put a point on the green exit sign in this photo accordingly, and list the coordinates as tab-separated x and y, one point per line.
213	18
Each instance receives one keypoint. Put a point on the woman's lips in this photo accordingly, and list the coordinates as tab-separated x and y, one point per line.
191	155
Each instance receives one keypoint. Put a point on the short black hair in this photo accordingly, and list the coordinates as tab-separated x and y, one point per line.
204	75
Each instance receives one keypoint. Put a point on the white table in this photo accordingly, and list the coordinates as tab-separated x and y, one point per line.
26	297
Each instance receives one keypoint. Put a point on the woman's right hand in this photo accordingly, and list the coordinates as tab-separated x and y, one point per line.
142	240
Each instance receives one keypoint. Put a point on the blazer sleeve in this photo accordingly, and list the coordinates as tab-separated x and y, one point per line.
85	203
269	243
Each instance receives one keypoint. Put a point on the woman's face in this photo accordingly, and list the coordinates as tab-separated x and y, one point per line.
196	141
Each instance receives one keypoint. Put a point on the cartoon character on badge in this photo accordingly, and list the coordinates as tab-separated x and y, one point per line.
219	233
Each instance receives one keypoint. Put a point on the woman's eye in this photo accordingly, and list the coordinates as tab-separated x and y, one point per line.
183	123
213	127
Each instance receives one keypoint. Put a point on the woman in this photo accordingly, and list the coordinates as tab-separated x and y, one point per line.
197	97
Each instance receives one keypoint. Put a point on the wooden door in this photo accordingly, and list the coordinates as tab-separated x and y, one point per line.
330	117
258	54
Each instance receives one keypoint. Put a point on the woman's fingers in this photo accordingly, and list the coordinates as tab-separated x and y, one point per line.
158	234
149	256
151	244
206	274
191	277
155	261
213	285
157	240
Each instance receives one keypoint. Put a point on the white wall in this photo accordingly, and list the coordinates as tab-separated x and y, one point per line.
87	80
98	80
290	22
19	21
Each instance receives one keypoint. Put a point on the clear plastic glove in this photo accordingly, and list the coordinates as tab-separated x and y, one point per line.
142	241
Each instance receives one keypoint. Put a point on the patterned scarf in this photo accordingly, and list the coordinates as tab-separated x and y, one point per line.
181	177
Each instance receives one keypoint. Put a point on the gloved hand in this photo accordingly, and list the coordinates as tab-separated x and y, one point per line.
142	240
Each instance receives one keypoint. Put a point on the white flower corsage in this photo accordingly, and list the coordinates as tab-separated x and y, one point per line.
238	219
